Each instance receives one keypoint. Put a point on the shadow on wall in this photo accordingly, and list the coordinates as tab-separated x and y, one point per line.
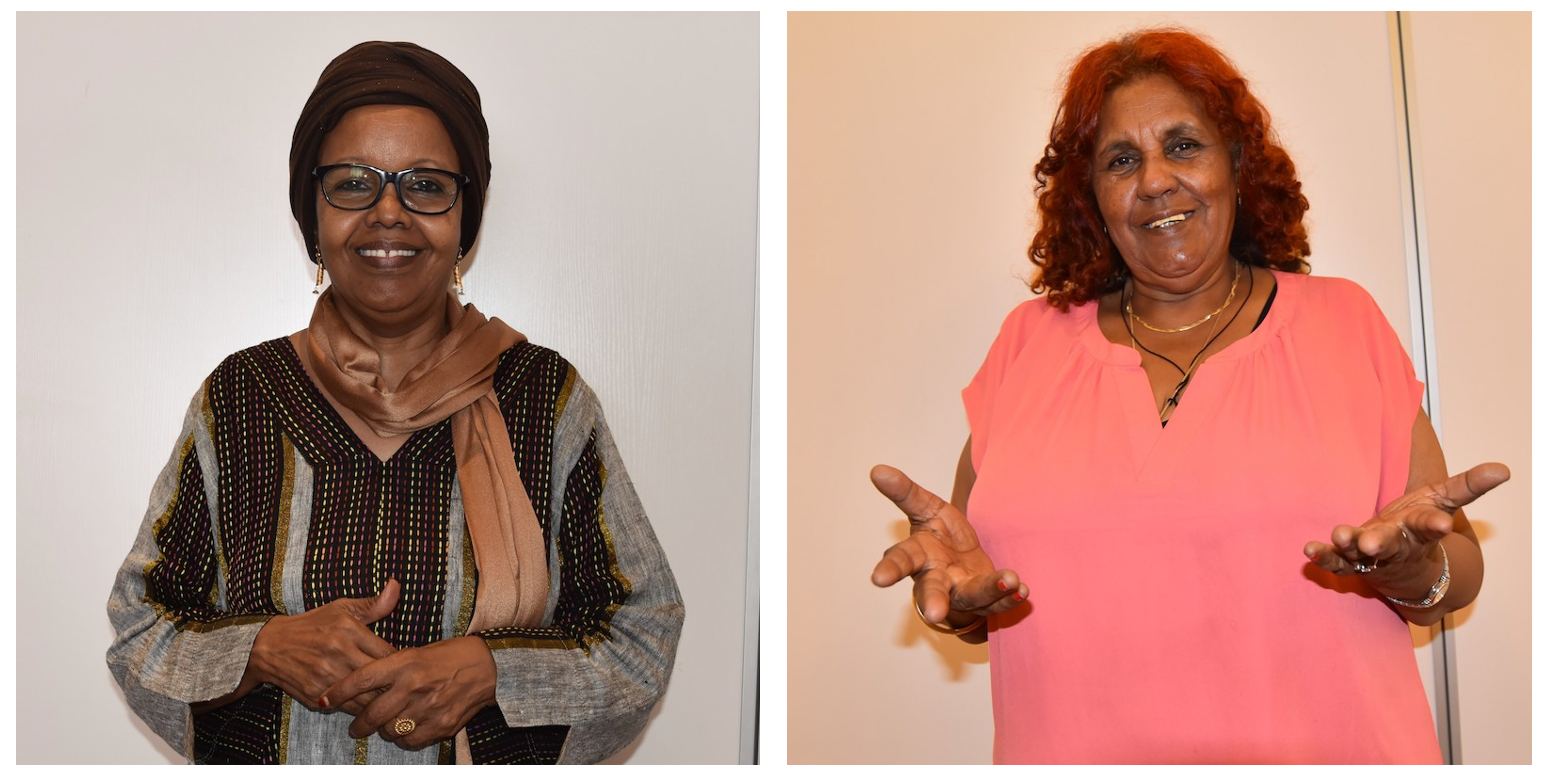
953	654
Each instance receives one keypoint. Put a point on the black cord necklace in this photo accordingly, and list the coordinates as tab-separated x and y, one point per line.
1171	403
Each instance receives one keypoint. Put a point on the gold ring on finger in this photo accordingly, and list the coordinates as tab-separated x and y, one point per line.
404	726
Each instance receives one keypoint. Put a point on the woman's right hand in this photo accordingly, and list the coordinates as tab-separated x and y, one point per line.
953	575
308	652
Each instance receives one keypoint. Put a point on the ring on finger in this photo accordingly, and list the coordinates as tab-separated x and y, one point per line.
1362	568
403	726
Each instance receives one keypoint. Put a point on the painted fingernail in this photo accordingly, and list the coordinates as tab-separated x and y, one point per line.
1002	585
324	702
1017	596
1316	555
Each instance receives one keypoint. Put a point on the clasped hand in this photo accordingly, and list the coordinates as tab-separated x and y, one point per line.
952	574
1396	551
329	658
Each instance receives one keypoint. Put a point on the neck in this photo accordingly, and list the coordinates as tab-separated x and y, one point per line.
402	341
1163	305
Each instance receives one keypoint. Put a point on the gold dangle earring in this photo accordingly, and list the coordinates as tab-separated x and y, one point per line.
320	270
460	291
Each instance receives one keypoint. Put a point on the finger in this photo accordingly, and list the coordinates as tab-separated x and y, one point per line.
375	675
1327	558
369	610
1345	541
917	503
376	716
382	604
902	559
986	592
1381	540
933	593
356	705
1462	488
373	647
379	716
1430	525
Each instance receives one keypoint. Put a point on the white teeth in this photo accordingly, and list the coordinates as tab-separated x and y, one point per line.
1174	219
383	253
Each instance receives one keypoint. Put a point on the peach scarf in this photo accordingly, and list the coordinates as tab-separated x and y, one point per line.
455	381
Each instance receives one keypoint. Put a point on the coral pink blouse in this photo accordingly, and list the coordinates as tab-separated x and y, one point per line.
1172	615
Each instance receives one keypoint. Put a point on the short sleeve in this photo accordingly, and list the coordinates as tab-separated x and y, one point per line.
1402	393
980	395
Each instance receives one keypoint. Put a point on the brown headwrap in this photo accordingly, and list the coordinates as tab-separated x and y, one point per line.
376	73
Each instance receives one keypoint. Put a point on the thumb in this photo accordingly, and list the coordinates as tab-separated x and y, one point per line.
369	610
907	495
1463	488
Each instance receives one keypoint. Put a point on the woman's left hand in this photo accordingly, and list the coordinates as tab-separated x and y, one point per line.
1400	542
438	687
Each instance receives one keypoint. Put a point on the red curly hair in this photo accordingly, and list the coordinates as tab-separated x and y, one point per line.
1077	261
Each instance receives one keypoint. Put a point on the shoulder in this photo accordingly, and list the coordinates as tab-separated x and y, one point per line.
1339	295
1032	320
526	369
538	384
1028	314
260	363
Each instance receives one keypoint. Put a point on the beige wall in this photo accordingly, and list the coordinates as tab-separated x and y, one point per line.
154	238
1474	118
911	144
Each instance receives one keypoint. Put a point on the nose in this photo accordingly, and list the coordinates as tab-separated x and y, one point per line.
1156	177
388	211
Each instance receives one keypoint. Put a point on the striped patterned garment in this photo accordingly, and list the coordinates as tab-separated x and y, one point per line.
272	505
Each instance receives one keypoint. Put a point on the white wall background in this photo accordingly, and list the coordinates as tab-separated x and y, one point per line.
154	238
911	145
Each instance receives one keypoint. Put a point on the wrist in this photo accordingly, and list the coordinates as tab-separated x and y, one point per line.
1424	581
486	668
258	668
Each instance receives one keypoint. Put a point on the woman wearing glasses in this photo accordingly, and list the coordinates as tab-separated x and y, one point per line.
403	534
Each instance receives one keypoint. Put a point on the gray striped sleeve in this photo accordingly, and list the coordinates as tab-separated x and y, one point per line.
604	693
160	668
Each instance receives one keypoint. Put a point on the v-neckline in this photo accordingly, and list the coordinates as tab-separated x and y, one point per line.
1142	418
352	436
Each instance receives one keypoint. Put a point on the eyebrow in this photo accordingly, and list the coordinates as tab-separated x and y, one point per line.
1181	129
417	163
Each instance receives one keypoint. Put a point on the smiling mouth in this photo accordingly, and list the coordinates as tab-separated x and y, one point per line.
1169	221
387	253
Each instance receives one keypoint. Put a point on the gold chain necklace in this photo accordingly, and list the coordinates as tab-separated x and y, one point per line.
1171	403
1236	274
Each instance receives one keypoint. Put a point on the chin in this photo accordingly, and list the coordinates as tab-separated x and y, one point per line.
391	301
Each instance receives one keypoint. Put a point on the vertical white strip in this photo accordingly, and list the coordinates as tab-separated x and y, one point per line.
768	487
749	668
749	696
298	543
1421	317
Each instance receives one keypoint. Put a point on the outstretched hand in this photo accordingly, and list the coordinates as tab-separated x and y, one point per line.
1400	541
952	574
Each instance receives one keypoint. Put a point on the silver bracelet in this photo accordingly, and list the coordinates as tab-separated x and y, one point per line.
1438	591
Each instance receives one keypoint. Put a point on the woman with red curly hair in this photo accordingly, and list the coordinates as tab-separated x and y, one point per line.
1157	441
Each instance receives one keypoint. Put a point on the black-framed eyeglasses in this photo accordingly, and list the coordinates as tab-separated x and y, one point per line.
355	187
